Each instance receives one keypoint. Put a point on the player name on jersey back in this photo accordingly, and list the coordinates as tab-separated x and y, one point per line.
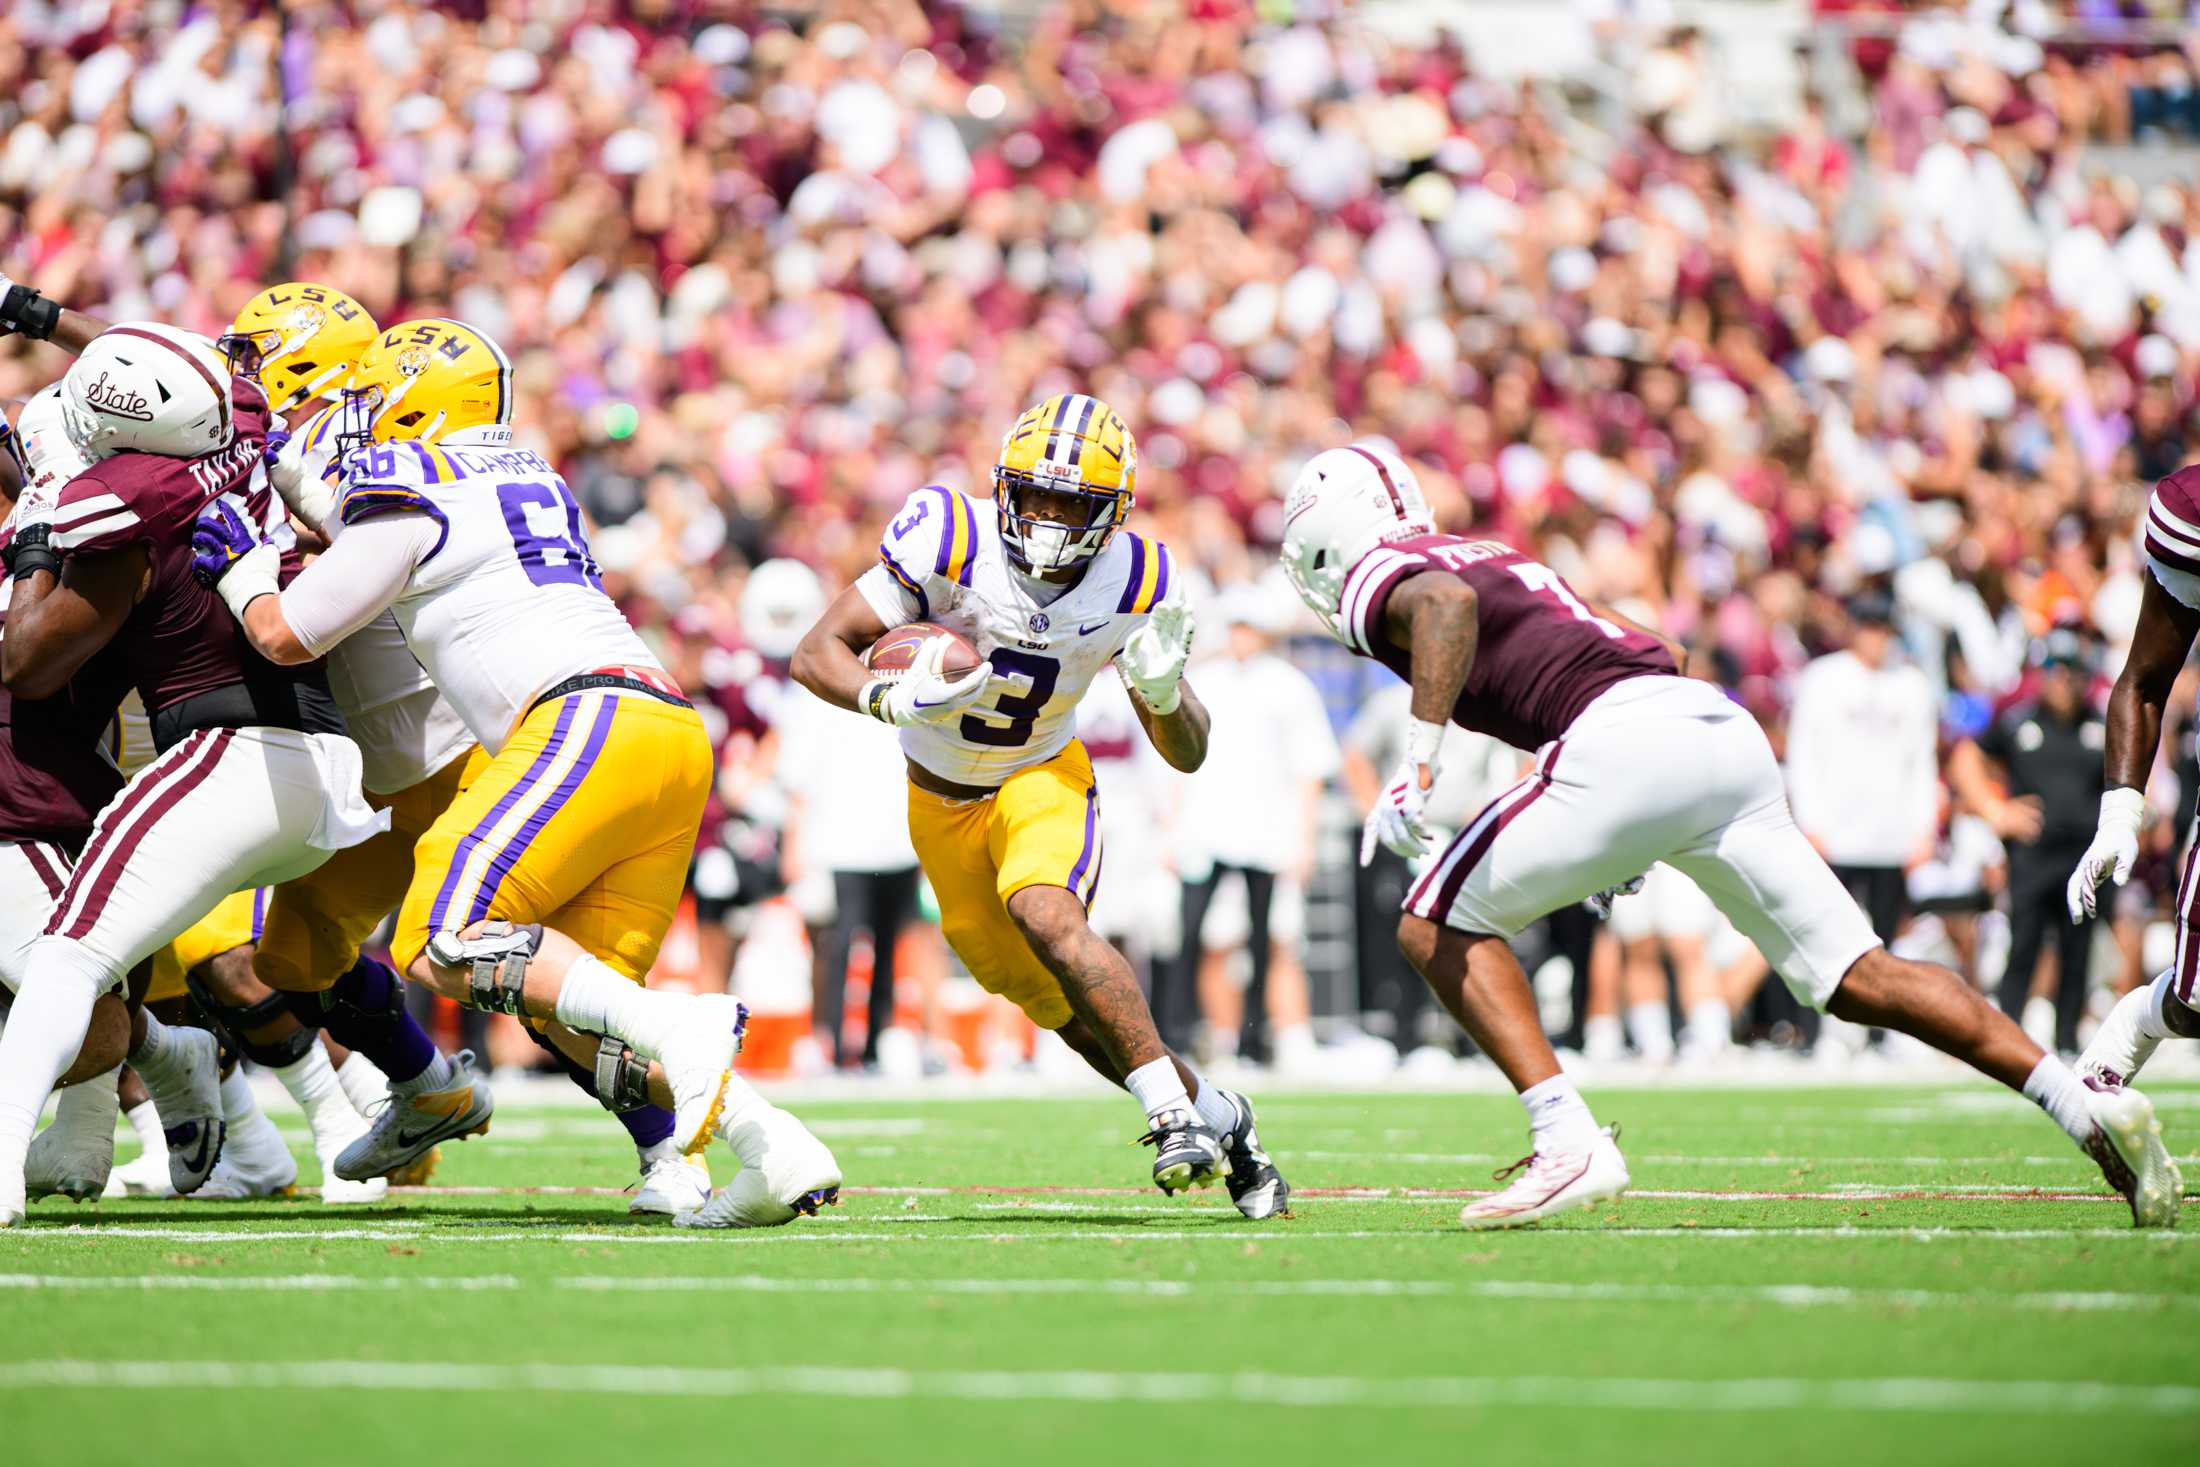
508	601
1542	654
941	560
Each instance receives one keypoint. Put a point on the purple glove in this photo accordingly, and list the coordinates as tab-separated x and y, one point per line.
275	442
223	536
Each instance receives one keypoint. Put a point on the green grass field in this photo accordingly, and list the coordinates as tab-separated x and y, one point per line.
1807	1276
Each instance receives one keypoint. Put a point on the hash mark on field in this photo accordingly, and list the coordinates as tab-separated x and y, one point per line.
1839	1192
1777	1393
1788	1296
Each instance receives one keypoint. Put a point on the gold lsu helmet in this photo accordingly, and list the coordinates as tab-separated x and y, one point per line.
1078	449
430	379
299	340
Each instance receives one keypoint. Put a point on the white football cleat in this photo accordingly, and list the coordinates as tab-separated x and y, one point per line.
698	1066
2127	1143
1552	1182
2119	1049
186	1086
785	1173
75	1155
672	1182
239	1178
144	1175
411	1124
338	1192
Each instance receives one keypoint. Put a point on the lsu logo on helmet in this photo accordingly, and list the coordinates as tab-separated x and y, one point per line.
1073	457
430	379
299	340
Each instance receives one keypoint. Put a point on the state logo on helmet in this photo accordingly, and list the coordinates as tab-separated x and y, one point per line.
299	340
432	379
1344	503
1065	482
149	387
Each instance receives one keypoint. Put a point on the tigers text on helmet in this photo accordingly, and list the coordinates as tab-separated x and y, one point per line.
149	387
299	340
1074	451
431	379
1344	503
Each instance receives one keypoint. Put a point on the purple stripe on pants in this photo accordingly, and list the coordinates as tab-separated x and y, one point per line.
502	863
439	914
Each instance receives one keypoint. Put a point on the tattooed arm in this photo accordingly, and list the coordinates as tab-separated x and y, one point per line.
1437	621
1179	736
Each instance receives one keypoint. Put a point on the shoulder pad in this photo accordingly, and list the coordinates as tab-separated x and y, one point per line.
934	536
1146	585
92	515
2173	524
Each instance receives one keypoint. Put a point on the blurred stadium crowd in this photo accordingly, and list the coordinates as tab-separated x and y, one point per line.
764	271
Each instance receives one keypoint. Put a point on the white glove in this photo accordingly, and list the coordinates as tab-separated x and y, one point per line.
1153	657
2115	846
1396	820
924	694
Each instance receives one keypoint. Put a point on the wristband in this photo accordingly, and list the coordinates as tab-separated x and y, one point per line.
1422	742
871	699
249	577
31	550
24	311
2122	808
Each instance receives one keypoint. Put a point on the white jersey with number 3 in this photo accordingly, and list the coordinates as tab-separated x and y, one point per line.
941	561
506	602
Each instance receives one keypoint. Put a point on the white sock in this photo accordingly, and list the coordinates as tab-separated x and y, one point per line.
2149	1013
363	1081
440	1074
1650	1025
1558	1116
1219	1115
1710	1025
312	1082
596	999
89	1106
249	1128
2055	1088
144	1118
46	1028
153	1048
1158	1086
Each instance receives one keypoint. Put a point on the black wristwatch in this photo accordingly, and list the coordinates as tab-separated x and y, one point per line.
27	313
30	550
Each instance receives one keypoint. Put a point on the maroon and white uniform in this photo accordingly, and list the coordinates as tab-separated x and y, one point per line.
255	781
54	777
2172	542
1634	765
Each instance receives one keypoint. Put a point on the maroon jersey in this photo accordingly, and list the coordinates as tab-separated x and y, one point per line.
55	772
1542	655
180	640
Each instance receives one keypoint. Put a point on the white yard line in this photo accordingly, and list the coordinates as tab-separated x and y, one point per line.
803	1232
1774	1393
1786	1296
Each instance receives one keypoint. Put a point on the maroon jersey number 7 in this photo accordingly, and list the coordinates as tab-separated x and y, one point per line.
1542	654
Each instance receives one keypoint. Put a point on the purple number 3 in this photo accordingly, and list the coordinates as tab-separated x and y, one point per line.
556	558
916	517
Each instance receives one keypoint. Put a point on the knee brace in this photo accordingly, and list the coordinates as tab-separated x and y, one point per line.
233	1023
496	958
619	1079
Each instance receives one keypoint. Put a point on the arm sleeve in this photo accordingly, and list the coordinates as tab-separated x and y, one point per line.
358	577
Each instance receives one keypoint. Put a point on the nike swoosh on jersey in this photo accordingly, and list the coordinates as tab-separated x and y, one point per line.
1085	631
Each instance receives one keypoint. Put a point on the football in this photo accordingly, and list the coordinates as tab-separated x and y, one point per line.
892	653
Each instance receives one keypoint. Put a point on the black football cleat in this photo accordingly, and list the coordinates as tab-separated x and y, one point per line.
1257	1188
1187	1154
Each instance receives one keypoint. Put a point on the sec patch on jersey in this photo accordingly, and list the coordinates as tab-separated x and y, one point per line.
892	654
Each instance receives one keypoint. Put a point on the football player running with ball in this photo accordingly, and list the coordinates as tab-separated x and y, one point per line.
546	887
1003	809
1635	764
